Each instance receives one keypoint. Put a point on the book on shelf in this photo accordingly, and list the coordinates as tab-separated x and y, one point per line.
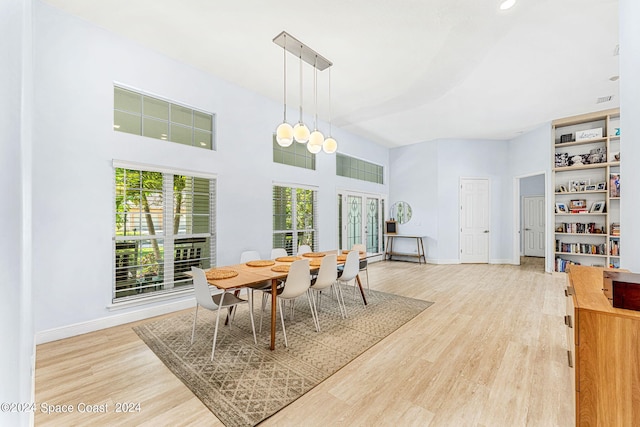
581	248
614	249
615	229
561	264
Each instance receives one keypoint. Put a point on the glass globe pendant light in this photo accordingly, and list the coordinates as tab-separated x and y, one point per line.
316	138
300	130
284	132
330	145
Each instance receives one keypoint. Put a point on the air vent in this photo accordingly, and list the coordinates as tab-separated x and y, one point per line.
604	99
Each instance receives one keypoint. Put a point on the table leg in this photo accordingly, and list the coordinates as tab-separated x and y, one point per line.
274	293
364	298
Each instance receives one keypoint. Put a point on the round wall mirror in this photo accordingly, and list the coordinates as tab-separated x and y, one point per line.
401	212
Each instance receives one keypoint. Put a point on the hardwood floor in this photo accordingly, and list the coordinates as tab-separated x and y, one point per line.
489	352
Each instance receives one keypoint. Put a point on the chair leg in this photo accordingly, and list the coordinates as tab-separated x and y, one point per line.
284	331
312	306
264	303
193	331
215	332
344	306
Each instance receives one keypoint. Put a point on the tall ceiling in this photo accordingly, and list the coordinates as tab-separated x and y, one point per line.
403	71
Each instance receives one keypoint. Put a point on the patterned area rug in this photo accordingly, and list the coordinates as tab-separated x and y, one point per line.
245	383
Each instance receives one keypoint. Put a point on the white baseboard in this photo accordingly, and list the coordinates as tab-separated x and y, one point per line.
110	321
443	261
501	261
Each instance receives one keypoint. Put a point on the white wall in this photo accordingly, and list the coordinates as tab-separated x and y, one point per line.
630	133
427	175
16	316
74	145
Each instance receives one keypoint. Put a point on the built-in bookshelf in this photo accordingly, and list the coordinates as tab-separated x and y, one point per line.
586	172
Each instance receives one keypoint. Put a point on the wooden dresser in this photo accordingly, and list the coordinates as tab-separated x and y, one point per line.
604	352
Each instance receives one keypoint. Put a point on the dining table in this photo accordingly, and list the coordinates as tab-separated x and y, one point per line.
249	275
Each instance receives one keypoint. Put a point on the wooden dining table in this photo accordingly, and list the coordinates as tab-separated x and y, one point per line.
249	275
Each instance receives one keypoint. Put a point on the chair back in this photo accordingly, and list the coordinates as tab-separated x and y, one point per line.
278	252
201	288
247	256
361	248
351	266
328	272
298	279
303	249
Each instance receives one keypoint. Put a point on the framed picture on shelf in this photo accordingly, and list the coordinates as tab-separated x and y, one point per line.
614	185
562	189
601	186
561	207
590	187
578	204
597	207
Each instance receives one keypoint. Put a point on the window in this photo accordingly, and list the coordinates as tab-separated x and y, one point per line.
358	169
145	115
164	225
294	218
293	155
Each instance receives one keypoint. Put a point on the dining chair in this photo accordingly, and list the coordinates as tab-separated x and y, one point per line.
297	283
278	252
364	264
247	256
351	270
327	276
303	249
215	302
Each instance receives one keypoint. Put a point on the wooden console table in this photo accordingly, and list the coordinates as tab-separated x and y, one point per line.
389	253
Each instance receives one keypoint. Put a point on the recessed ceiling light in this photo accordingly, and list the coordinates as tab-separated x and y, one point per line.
614	78
507	4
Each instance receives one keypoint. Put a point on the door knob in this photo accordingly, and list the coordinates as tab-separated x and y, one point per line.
527	229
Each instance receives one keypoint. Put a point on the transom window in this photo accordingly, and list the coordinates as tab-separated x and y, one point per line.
141	114
352	167
294	155
164	225
294	218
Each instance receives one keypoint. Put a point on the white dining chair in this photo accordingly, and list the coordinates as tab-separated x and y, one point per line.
326	279
364	264
278	252
351	269
215	302
247	256
297	283
303	249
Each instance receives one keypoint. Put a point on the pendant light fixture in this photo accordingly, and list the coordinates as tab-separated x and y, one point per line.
300	130
329	145
284	132
316	138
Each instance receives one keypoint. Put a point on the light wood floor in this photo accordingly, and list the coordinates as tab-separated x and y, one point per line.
489	352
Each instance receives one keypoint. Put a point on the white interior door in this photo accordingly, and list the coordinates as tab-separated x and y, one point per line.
474	220
534	226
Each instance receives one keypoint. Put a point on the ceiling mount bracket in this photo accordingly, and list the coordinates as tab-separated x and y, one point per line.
301	50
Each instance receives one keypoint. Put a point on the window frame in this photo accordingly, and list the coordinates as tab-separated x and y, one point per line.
294	231
169	284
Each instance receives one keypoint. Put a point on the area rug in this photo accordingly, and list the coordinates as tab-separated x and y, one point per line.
245	383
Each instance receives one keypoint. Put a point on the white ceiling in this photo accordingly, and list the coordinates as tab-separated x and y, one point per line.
404	71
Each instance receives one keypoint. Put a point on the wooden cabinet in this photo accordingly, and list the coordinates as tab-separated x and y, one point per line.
586	171
604	352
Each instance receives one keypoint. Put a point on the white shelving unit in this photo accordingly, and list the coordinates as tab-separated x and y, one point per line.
587	193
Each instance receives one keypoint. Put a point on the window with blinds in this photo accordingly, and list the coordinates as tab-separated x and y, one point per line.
294	218
351	167
164	225
294	155
141	114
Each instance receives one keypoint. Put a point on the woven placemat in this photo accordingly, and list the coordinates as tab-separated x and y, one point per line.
346	252
313	255
288	258
260	263
221	273
342	258
315	263
280	268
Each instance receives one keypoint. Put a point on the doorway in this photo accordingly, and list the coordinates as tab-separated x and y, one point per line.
531	221
360	220
474	220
